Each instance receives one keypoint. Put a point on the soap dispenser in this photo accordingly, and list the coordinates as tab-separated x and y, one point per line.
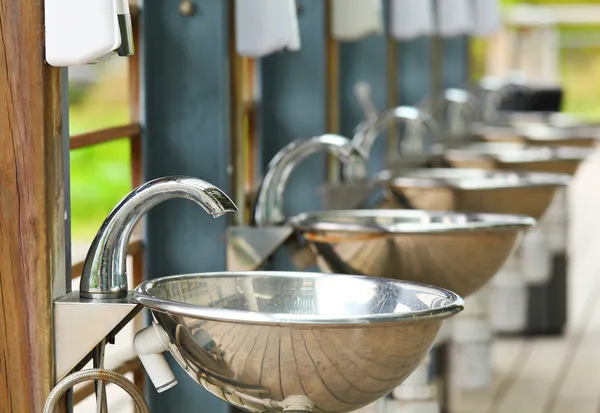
454	17
410	19
85	32
263	27
487	17
353	20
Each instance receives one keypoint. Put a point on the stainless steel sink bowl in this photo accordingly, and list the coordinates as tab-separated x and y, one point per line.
474	190
261	339
540	134
457	251
517	157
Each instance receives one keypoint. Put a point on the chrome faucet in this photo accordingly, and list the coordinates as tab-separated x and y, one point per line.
494	91
104	272
269	204
368	131
375	122
461	104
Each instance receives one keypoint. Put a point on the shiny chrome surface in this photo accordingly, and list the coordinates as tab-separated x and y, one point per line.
457	251
456	109
475	190
418	119
540	134
104	271
269	208
258	340
517	157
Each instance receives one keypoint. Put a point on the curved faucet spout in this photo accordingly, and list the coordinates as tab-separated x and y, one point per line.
462	106
367	132
104	274
269	204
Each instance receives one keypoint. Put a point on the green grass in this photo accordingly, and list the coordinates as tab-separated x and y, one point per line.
100	174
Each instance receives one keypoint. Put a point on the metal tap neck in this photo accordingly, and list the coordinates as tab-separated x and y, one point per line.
269	208
104	274
367	132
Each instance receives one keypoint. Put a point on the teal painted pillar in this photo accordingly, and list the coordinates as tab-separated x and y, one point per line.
186	131
455	58
414	70
294	105
364	60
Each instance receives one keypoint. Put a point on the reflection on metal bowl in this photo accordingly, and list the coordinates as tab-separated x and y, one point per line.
457	251
475	190
259	340
541	134
518	157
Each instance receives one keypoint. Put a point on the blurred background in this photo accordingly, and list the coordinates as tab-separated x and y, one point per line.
98	98
101	174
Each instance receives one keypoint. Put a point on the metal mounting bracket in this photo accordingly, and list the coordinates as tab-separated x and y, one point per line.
249	247
81	324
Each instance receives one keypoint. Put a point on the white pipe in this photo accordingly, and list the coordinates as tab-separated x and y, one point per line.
149	345
471	343
418	393
509	301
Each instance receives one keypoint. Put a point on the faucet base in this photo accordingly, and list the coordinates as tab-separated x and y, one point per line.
80	324
102	295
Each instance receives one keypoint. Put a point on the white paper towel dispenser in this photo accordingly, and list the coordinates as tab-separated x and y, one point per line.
487	17
353	20
83	32
454	17
410	19
263	27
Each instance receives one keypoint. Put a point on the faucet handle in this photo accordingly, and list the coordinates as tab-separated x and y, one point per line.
363	93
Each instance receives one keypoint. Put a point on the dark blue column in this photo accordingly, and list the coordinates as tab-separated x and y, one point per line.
363	61
294	96
186	131
414	70
455	70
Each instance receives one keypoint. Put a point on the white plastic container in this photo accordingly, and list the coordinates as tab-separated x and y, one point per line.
81	32
454	17
535	254
509	301
410	19
352	20
487	17
470	354
266	26
471	366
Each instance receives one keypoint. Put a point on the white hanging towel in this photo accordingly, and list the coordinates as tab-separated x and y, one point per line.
354	19
266	26
487	17
410	19
454	17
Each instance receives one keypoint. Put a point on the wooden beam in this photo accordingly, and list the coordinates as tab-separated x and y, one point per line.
131	130
32	208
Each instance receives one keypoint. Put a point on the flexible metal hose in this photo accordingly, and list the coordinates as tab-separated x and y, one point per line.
95	374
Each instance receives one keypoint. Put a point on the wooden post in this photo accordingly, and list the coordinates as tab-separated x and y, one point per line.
32	209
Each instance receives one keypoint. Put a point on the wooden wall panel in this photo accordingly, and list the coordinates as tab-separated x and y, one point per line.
31	207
